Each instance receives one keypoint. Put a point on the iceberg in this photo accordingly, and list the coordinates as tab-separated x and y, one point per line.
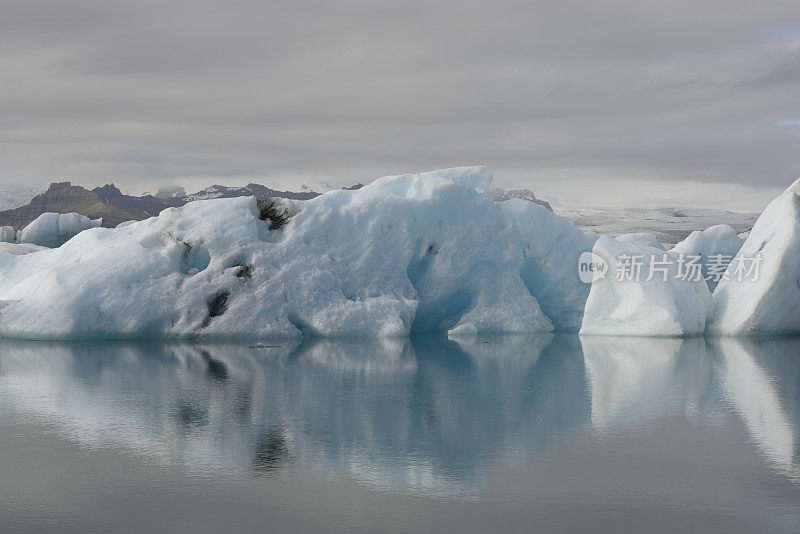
760	292
650	298
7	234
715	246
406	254
55	229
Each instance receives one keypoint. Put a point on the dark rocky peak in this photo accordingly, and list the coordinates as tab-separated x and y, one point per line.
56	186
108	193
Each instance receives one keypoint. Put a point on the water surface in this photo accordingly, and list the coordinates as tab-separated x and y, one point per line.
422	435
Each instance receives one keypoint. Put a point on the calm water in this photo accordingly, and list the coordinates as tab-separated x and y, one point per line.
498	435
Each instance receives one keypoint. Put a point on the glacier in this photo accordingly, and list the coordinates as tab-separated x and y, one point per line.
408	254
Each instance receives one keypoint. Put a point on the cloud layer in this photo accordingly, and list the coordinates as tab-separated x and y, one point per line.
195	92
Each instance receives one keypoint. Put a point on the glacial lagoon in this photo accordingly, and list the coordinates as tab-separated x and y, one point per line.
545	433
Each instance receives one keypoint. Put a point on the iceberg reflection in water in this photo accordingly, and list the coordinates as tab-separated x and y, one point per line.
421	415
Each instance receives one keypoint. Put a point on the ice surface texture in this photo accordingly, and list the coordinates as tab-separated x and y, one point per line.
417	253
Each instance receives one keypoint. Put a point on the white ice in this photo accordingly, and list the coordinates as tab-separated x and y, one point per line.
649	300
640	238
55	229
766	301
719	242
7	234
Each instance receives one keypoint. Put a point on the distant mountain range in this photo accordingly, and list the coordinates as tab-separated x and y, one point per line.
115	207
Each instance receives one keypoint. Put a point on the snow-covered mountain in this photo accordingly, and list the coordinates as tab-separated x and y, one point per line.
14	196
256	190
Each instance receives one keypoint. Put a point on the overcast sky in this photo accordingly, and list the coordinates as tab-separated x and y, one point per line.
585	101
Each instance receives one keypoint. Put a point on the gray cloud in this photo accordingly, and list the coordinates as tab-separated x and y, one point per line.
194	92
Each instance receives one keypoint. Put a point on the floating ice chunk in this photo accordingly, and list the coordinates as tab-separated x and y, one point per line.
463	330
719	243
652	299
762	292
55	229
7	234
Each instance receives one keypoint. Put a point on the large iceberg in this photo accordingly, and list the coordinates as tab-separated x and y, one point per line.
643	293
55	229
760	293
424	252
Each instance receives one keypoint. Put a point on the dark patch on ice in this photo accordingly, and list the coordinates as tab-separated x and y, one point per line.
196	257
217	306
764	244
245	271
274	211
417	269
